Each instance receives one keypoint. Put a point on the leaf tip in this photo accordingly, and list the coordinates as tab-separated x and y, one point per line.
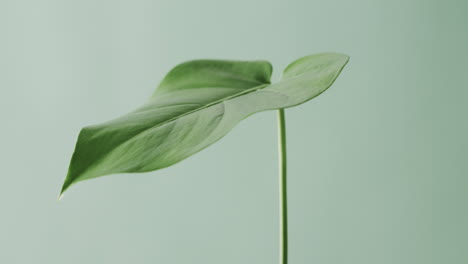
65	186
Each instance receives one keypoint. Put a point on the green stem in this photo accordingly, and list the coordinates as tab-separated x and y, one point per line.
283	188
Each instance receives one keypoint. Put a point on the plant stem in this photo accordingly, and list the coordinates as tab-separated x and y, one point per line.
283	188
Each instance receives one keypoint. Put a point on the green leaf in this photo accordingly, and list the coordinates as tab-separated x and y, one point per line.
196	104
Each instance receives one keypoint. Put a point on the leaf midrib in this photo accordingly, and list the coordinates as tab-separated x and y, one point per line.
208	105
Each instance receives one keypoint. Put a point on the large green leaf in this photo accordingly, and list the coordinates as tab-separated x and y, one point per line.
196	104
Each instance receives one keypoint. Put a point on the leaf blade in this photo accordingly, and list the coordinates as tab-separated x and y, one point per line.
196	104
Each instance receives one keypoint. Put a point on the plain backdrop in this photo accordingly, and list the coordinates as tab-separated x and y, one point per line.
377	164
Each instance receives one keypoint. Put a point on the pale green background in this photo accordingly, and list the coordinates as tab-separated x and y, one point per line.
378	164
